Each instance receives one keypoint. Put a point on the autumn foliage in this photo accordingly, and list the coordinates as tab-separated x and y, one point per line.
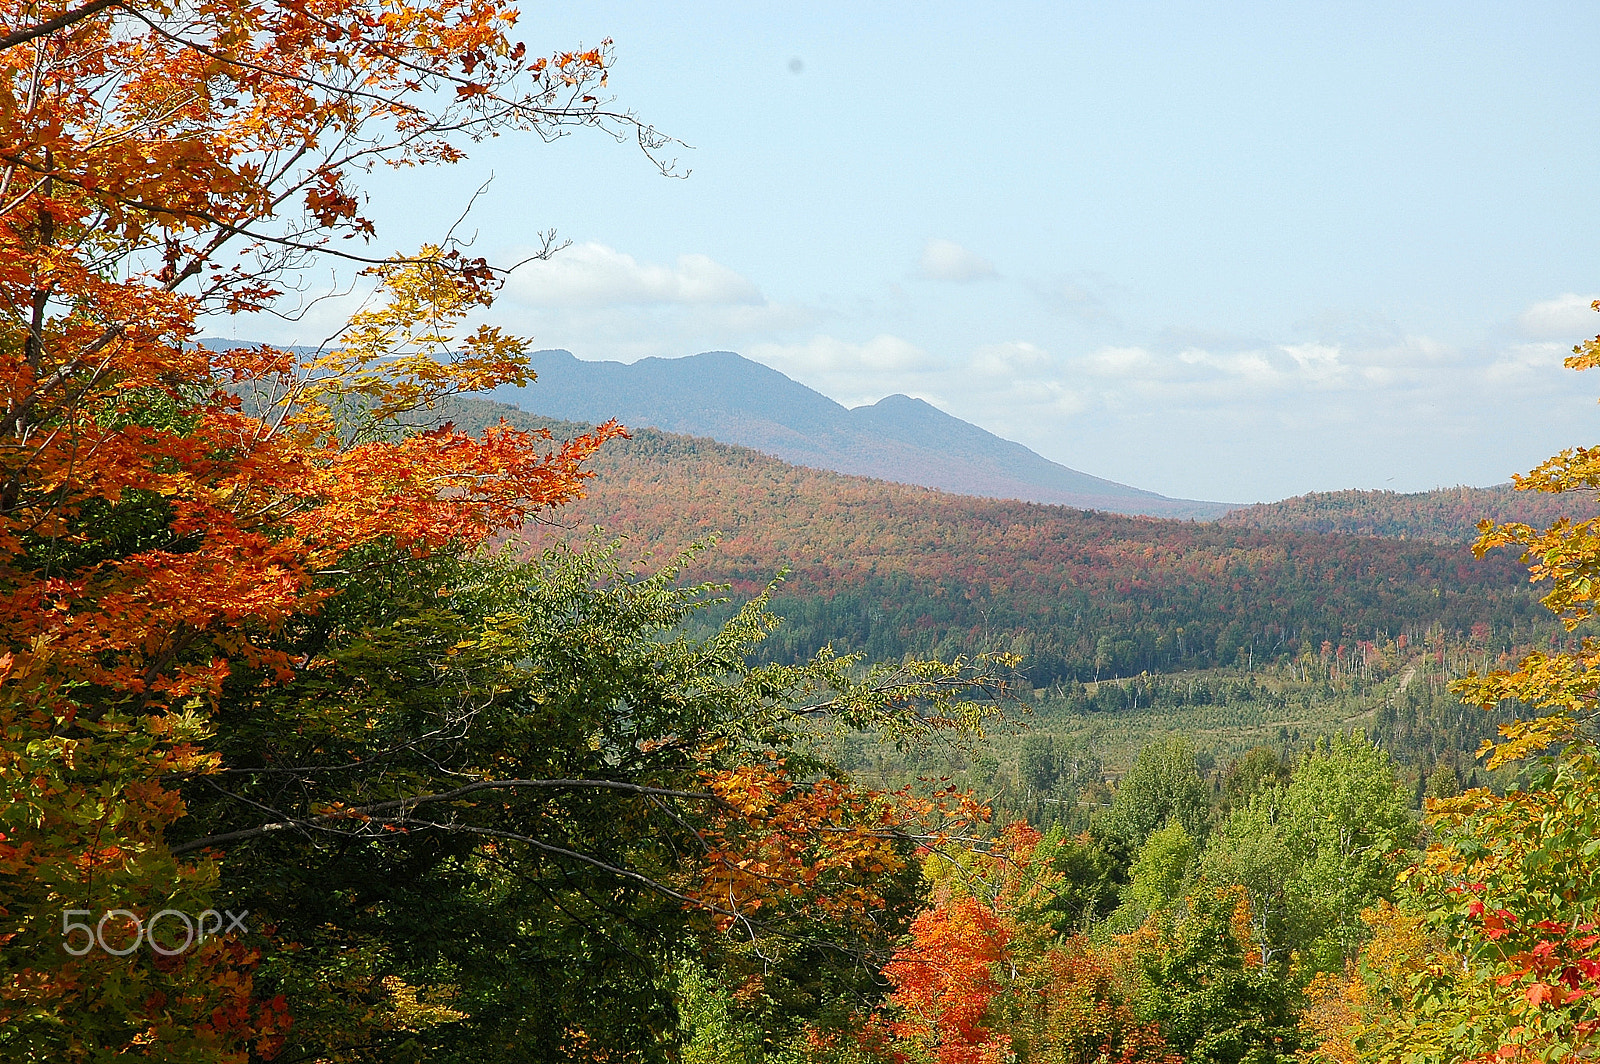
824	847
946	981
982	978
166	508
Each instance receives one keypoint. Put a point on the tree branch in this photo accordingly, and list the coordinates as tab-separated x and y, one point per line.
61	21
404	805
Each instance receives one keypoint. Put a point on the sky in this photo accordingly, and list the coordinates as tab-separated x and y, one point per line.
1232	252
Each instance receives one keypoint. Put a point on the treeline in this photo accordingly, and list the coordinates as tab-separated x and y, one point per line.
1266	607
1445	515
889	570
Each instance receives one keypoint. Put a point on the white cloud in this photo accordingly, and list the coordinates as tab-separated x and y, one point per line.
1521	363
1121	362
856	373
601	303
1049	398
1217	374
670	330
1016	358
1567	317
594	275
945	260
1316	361
1252	368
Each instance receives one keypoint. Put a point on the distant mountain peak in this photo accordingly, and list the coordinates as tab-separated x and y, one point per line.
899	399
723	395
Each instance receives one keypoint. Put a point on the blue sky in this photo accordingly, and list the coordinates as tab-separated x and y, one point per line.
1222	251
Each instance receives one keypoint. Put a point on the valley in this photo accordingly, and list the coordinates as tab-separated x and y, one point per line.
1265	628
888	569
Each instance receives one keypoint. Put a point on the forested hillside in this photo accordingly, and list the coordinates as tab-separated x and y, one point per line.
1447	515
889	569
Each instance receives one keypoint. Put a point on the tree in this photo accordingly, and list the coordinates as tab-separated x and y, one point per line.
1258	768
1037	768
1311	854
1214	1005
945	982
1158	877
1091	872
166	509
1347	822
1251	851
1163	784
1494	953
161	163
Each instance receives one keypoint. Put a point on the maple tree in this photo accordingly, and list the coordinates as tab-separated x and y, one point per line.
946	982
166	508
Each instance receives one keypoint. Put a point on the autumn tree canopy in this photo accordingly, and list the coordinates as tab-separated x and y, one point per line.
254	655
161	163
166	508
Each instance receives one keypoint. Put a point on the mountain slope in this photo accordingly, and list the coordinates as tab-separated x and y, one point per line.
730	398
889	569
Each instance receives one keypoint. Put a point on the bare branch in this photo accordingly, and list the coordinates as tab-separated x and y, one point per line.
375	810
60	22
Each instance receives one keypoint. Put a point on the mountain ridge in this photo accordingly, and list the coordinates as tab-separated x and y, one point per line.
727	397
868	440
1443	515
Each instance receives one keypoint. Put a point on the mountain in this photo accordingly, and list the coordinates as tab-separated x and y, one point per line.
889	569
1445	515
732	399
